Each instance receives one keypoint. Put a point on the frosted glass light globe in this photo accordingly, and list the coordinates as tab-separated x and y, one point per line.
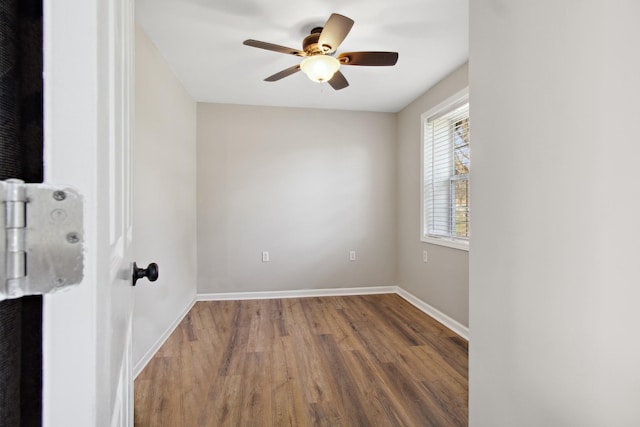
320	68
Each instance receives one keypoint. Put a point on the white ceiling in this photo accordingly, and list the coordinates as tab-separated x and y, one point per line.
202	42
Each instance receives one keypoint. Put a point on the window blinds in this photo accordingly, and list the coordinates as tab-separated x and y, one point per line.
446	173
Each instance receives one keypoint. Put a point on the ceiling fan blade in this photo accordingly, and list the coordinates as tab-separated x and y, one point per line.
273	47
282	74
338	81
334	32
368	58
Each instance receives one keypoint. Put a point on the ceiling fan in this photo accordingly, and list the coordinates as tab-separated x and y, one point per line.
318	49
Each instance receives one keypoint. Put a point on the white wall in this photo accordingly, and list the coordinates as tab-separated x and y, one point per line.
306	185
554	284
164	196
442	282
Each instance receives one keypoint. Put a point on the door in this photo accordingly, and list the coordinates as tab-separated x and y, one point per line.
87	97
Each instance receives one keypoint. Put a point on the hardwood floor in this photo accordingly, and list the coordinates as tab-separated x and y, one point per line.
371	360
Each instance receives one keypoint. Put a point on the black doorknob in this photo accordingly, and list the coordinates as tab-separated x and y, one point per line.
151	273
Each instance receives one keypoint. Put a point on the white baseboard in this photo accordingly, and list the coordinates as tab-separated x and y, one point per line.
140	365
447	321
302	293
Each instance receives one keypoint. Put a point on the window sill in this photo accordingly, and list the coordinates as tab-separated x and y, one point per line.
450	243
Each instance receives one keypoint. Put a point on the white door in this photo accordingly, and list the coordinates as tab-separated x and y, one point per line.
88	91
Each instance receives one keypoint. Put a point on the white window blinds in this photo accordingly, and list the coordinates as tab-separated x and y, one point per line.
446	173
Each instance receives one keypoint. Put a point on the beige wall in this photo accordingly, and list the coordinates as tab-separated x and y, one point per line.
554	287
442	282
306	185
164	196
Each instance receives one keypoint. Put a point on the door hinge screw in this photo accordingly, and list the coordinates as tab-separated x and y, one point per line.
73	237
59	195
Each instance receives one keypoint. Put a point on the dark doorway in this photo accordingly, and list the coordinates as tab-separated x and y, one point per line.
21	148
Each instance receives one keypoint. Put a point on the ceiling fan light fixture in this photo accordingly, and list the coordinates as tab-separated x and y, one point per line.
318	49
320	68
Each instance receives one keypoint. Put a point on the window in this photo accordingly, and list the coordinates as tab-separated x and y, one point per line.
445	173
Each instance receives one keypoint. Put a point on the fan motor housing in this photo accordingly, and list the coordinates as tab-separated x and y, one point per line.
310	43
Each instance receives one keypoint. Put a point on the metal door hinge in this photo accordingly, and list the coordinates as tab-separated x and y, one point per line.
41	227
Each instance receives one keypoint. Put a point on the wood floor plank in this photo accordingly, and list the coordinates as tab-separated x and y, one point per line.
310	369
384	405
371	360
300	410
256	394
285	411
347	396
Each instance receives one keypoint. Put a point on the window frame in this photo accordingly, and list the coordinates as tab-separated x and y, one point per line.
460	97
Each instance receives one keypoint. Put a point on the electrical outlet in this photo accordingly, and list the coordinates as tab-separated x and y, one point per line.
425	257
265	256
352	255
